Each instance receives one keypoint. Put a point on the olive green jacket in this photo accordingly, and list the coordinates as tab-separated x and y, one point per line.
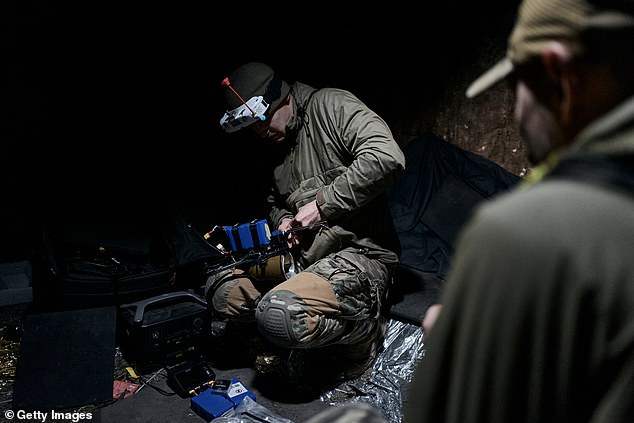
344	156
538	310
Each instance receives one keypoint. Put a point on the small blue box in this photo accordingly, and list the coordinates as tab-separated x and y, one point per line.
246	238
232	241
263	232
220	399
209	405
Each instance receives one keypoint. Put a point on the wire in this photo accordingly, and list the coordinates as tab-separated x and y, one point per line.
225	82
146	382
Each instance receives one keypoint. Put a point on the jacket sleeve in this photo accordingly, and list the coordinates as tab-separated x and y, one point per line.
376	158
277	209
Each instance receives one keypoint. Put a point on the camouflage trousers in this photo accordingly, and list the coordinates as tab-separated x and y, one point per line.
336	300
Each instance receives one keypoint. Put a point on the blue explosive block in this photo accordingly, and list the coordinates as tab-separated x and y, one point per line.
247	236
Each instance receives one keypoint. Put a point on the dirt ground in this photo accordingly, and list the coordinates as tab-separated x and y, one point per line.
155	400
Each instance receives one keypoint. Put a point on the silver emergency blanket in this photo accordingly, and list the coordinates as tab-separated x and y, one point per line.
384	388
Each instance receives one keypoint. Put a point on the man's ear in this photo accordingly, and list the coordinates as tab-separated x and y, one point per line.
557	61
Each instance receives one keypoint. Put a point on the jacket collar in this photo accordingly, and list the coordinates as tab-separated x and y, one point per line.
612	133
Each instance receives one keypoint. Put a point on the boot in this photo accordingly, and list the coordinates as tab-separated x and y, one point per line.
355	360
235	345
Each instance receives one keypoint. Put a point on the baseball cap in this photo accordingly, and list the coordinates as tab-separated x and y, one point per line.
541	21
253	81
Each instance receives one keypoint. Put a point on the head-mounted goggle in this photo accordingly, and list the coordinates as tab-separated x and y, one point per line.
245	114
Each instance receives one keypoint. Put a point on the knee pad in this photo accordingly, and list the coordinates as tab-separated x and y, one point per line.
217	298
276	316
216	280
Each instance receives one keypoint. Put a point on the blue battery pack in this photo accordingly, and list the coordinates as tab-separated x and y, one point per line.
232	240
246	236
223	397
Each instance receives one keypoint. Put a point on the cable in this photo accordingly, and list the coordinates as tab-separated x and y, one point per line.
225	83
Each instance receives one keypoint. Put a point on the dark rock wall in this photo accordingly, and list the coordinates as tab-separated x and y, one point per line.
483	125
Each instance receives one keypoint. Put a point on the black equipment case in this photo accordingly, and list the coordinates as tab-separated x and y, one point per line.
106	260
111	259
163	330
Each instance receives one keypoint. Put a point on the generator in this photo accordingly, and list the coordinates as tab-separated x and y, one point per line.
163	330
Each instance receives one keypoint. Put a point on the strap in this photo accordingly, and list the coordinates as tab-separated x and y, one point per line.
253	230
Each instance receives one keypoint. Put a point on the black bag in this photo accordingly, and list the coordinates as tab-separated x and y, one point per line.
120	257
106	260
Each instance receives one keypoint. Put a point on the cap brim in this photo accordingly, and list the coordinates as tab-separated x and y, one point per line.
498	72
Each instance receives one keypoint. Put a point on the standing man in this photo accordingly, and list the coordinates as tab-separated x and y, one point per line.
341	157
537	319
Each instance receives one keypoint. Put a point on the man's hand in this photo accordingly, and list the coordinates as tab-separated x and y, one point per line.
431	315
293	238
308	215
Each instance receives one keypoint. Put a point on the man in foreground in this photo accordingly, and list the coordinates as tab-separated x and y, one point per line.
537	318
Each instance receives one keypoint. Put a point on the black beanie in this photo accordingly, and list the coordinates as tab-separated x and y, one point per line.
255	79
